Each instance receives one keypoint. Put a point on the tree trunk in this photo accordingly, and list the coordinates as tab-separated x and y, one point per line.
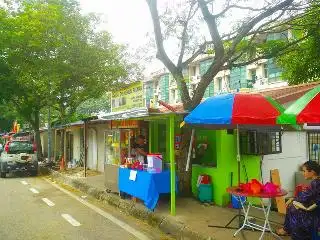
181	160
62	131
36	127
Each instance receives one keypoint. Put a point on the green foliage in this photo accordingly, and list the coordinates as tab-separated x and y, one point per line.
50	54
95	105
302	63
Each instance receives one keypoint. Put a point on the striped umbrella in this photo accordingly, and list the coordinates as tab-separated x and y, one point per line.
305	110
230	110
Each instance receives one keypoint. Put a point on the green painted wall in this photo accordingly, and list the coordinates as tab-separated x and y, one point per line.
226	163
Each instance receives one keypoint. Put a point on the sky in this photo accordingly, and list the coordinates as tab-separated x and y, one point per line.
128	20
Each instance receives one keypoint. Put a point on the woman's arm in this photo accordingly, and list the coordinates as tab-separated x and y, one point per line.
310	194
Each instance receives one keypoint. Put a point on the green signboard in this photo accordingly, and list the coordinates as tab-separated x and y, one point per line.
128	98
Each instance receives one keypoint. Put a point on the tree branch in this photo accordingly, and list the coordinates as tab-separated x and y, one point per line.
213	29
246	28
238	7
265	56
200	50
161	54
184	34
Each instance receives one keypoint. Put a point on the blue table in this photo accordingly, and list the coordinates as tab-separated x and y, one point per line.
147	186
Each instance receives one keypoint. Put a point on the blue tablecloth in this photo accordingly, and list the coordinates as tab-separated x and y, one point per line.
147	186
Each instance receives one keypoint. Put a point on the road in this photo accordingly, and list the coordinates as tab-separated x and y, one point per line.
35	208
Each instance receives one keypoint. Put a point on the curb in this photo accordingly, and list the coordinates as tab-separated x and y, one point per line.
166	225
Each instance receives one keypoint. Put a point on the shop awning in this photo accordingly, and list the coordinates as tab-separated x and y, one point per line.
132	113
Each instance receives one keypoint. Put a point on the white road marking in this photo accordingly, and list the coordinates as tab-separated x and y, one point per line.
34	190
24	182
71	220
47	201
139	235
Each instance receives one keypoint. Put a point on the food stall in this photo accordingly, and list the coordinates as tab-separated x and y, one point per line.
118	142
128	118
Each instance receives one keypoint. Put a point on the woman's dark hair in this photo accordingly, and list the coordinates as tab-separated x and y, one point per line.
312	166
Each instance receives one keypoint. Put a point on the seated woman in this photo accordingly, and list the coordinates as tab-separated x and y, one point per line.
301	219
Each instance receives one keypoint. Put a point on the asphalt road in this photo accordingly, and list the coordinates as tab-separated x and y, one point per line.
34	208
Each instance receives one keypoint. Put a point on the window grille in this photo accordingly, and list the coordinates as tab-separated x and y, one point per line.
314	146
260	142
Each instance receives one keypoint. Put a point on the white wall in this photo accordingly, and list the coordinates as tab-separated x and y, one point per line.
100	138
294	153
44	143
76	144
100	129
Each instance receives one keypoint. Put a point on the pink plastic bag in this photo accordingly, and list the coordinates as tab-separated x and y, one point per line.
270	188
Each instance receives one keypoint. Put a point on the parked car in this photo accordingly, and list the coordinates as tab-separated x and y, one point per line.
19	156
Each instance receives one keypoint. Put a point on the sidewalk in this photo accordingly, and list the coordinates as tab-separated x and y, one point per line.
191	221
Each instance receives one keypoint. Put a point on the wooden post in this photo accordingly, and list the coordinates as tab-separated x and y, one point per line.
281	203
55	146
65	146
172	165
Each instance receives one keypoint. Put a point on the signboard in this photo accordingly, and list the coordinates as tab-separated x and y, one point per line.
125	124
128	98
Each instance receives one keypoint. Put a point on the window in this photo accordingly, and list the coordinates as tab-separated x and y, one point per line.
173	95
238	78
204	150
314	146
265	70
228	81
219	83
260	142
274	72
194	70
18	147
253	75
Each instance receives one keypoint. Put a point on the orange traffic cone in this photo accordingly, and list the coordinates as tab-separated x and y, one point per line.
62	163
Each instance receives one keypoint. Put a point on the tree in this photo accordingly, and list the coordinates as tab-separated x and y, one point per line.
54	56
95	105
302	63
239	46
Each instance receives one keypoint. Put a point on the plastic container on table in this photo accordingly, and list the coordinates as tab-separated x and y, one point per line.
155	162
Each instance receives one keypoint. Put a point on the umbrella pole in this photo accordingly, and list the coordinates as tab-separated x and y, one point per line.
189	152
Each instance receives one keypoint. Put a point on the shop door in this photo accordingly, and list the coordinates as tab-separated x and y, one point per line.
93	150
69	145
112	158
